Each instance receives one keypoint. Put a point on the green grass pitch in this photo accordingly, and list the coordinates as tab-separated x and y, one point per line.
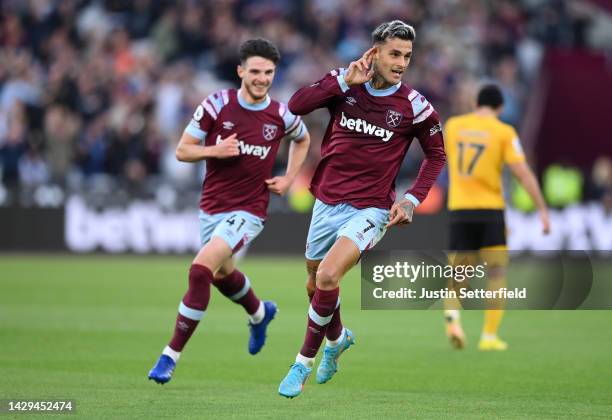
90	328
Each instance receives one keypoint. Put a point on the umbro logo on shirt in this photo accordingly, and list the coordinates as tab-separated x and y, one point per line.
362	126
350	100
435	129
228	125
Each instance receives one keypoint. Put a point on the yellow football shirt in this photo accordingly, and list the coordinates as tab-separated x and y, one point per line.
477	147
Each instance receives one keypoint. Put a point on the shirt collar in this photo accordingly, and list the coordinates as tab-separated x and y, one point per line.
382	92
253	107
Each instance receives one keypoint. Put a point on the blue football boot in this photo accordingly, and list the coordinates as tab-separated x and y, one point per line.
162	371
258	331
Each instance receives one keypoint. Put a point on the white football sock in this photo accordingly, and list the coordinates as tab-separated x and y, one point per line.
259	314
306	361
337	341
174	355
452	314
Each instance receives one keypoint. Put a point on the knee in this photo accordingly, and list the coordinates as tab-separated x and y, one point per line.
327	278
200	276
207	262
198	293
223	272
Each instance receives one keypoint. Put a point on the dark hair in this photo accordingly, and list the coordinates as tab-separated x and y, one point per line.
393	29
259	47
490	95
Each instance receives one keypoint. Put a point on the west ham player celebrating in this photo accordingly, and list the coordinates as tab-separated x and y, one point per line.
374	118
238	133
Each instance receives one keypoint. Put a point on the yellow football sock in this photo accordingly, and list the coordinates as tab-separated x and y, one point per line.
492	319
497	259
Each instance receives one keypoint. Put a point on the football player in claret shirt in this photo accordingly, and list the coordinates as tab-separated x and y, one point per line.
238	133
479	145
373	120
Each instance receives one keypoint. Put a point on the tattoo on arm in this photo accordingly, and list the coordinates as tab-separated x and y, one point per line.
407	208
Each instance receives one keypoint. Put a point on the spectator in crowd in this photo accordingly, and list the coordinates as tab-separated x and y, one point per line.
104	87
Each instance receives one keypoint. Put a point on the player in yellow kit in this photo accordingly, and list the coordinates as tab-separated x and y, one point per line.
478	146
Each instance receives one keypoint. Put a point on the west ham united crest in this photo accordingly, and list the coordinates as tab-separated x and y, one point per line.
394	118
269	131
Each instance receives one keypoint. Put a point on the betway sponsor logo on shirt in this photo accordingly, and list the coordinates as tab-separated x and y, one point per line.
362	126
250	149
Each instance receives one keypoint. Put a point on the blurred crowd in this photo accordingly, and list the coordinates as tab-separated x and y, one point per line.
95	94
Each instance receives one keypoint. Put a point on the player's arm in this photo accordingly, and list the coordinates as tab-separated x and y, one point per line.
321	94
526	177
192	145
514	157
297	155
189	148
430	137
297	133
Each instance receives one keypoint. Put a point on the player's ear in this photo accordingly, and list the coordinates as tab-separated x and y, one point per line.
240	71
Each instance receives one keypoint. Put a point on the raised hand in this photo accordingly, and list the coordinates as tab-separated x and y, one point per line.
360	71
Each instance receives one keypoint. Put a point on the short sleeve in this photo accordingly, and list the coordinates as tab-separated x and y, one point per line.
513	151
206	114
421	108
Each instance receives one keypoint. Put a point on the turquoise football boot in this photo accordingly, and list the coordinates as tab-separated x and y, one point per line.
329	363
293	383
